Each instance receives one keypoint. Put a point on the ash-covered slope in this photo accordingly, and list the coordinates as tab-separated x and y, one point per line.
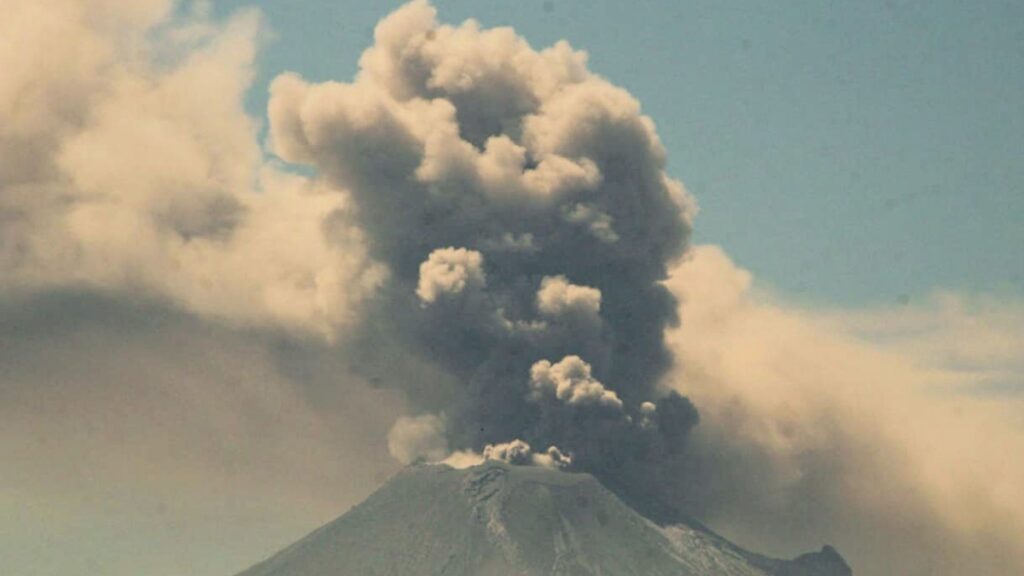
502	520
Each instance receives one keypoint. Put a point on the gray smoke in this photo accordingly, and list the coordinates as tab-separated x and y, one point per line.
184	321
521	206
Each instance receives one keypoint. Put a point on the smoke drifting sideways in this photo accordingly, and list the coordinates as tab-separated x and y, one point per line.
184	327
521	207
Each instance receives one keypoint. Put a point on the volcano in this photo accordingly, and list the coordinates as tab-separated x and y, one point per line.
497	519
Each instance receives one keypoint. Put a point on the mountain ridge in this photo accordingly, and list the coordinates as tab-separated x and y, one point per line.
497	519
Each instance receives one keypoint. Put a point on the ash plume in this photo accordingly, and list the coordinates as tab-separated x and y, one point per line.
183	314
521	207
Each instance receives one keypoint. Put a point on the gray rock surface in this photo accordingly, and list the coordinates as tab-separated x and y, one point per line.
500	520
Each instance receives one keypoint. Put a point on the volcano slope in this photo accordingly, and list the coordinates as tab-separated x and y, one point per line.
496	519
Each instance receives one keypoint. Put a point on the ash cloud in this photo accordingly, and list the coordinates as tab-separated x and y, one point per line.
482	207
450	271
570	381
521	207
870	429
557	297
418	439
521	453
128	165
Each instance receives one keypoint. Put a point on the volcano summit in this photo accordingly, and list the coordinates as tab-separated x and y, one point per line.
497	519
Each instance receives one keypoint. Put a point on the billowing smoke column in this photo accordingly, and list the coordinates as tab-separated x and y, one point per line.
521	205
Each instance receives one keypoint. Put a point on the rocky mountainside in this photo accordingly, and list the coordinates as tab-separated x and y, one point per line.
501	520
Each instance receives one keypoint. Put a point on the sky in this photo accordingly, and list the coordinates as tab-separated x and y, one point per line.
846	153
256	257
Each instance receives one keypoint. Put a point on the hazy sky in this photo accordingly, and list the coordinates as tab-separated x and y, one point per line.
212	313
846	152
